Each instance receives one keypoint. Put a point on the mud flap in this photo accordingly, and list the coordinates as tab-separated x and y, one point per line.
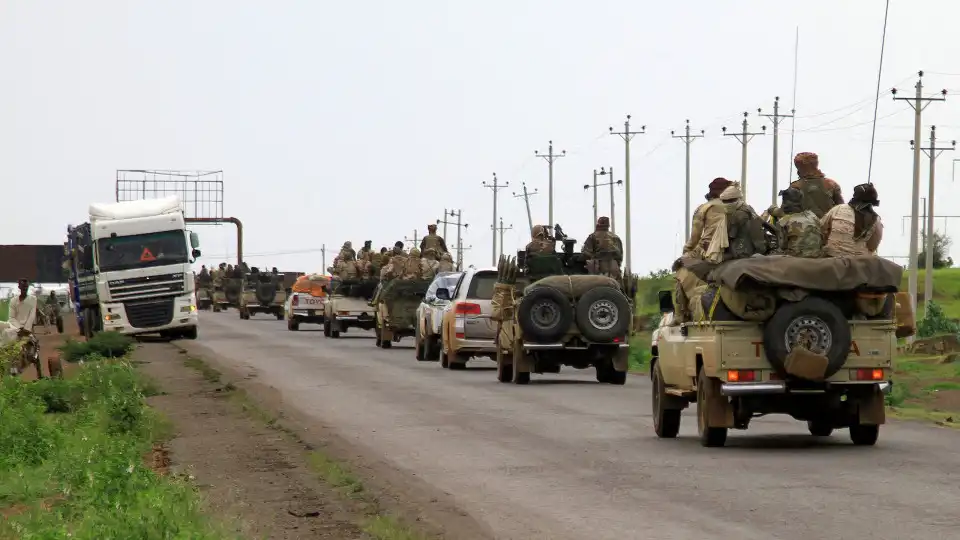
719	408
621	359
871	409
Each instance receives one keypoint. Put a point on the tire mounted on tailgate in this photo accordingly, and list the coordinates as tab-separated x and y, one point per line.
544	314
815	322
603	314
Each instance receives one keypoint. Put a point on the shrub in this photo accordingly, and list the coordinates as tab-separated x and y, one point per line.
104	344
935	322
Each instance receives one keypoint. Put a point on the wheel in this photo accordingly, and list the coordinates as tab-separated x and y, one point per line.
376	333
819	429
334	334
815	323
326	328
386	344
603	372
190	333
216	308
279	316
864	434
461	364
293	325
444	358
431	349
603	314
544	315
618	378
504	369
666	422
420	354
87	323
709	436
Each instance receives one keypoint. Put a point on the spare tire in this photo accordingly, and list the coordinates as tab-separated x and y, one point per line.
818	323
265	292
232	294
544	315
603	314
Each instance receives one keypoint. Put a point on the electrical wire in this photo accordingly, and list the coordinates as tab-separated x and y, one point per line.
876	105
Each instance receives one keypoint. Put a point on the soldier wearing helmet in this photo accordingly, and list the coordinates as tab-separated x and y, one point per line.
433	241
820	193
541	241
603	250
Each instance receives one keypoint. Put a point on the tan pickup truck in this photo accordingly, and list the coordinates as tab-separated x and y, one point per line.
823	352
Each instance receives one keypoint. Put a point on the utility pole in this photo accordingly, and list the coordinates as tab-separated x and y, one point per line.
627	136
775	117
526	199
444	224
414	241
495	187
596	187
687	138
550	157
459	225
919	103
744	137
501	228
323	254
460	249
932	152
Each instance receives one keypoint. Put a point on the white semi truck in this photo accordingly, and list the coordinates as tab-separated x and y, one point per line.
130	269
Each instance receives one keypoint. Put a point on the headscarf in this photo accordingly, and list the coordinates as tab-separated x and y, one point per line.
865	217
415	253
791	200
808	165
731	193
716	187
603	223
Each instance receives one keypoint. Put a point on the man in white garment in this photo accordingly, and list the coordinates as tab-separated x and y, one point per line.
22	315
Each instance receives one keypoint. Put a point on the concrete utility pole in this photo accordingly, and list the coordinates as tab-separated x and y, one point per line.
459	225
596	186
775	117
932	152
414	241
460	249
495	187
550	157
501	228
919	103
627	136
687	138
444	224
526	200
323	255
744	137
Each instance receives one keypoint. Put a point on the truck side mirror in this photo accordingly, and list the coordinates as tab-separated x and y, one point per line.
666	301
195	253
443	293
194	240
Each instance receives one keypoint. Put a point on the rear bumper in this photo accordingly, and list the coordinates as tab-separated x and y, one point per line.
780	387
559	346
483	345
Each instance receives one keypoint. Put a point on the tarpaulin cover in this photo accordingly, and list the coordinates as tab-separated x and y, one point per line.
135	209
312	284
863	273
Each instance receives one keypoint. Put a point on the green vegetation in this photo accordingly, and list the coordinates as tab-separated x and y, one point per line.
4	309
72	460
102	345
946	290
926	388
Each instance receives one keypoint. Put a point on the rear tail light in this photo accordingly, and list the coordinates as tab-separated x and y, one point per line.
295	301
869	375
464	308
735	375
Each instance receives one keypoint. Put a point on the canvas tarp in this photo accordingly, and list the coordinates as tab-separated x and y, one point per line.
865	273
574	286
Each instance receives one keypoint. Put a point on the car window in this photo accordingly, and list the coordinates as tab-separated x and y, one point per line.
481	286
455	292
445	281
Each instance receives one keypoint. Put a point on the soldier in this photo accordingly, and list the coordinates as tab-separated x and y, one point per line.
446	263
433	241
413	266
366	252
348	248
541	241
346	265
603	250
799	229
714	190
433	264
397	261
853	228
820	193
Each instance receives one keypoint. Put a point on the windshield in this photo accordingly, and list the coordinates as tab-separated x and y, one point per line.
444	281
142	250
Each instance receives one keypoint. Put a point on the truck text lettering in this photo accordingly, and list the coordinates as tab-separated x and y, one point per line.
758	346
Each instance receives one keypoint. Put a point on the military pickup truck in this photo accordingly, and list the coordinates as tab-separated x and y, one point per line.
817	343
262	293
228	294
550	313
396	302
349	306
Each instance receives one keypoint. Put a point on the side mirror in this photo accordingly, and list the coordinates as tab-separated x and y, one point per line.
443	294
194	240
195	253
289	291
666	301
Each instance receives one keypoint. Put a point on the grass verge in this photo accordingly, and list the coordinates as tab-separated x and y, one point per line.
74	460
377	522
926	388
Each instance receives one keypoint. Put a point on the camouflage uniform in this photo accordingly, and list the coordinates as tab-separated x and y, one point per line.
433	264
396	262
433	241
820	193
346	250
413	266
603	250
799	229
446	263
541	241
700	232
217	276
346	265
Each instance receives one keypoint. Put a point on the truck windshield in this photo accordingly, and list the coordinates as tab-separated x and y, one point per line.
142	250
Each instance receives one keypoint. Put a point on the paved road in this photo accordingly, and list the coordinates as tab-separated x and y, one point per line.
567	458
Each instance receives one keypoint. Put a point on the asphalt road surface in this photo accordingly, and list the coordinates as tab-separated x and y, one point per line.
567	458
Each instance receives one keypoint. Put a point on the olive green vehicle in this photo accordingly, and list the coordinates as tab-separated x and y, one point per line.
228	294
262	293
820	348
396	302
550	313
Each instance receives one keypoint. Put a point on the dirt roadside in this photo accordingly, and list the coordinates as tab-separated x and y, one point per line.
260	470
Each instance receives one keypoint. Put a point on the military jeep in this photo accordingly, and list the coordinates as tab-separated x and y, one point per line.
550	313
228	294
816	344
262	293
396	302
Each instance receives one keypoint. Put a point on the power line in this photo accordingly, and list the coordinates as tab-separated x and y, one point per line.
744	137
932	152
550	157
687	138
627	136
495	187
526	200
776	117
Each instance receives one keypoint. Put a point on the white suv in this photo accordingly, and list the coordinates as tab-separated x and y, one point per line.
430	314
467	330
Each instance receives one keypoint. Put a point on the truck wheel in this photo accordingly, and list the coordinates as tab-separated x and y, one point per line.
293	325
544	315
814	322
279	315
518	376
666	422
709	436
602	314
504	368
618	378
431	349
326	328
819	428
191	333
603	372
461	362
87	329
444	357
864	434
386	344
420	346
376	333
216	308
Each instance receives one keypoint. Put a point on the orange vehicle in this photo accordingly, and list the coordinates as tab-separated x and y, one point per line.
306	300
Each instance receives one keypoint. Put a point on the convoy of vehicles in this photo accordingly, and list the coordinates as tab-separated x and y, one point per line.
262	293
307	301
430	314
396	302
130	270
349	307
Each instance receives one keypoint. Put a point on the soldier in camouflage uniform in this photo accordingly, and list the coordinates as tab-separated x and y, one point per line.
714	190
397	261
348	249
820	193
541	241
603	250
433	241
433	264
217	276
799	229
346	265
446	263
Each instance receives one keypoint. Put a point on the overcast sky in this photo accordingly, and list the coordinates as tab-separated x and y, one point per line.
339	121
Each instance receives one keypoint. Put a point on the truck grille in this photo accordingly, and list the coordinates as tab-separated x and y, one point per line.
149	313
146	287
